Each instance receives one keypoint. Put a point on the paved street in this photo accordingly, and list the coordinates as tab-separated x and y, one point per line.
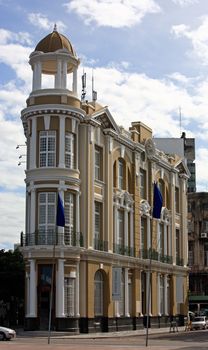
169	341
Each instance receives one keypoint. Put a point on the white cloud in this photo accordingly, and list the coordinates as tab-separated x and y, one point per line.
113	13
198	38
201	169
41	21
185	2
7	36
12	208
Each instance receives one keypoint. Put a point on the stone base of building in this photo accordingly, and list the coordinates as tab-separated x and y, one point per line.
104	324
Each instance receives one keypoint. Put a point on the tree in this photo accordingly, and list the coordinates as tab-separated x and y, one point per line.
12	287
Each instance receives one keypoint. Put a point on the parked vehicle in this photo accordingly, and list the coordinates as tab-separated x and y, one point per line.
199	322
7	333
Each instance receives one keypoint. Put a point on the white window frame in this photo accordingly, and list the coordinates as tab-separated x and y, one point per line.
69	212
47	156
69	296
97	223
98	293
69	150
98	164
47	224
120	174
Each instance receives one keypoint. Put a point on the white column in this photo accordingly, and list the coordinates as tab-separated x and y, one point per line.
126	228
117	314
165	295
32	213
58	75
33	144
27	313
126	281
77	314
60	289
64	74
61	141
39	75
165	239
74	87
149	243
33	292
34	81
158	295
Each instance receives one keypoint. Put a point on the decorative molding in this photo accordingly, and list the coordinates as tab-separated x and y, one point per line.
150	148
144	207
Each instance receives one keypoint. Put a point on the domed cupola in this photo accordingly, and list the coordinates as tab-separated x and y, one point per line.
54	55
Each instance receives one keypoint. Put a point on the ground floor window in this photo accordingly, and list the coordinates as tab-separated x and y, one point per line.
98	293
69	296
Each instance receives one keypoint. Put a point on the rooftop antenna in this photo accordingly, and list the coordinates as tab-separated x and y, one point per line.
83	86
94	93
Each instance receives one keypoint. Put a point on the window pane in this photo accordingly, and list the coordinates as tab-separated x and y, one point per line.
69	150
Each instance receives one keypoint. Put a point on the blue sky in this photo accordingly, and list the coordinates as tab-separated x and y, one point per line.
149	58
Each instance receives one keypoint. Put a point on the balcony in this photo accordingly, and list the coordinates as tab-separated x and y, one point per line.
100	245
37	238
123	250
154	255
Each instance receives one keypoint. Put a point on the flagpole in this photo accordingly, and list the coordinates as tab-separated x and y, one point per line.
51	294
149	287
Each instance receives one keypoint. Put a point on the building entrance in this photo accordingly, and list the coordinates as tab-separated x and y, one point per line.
44	294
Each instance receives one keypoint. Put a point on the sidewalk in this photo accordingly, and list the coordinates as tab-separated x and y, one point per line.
43	334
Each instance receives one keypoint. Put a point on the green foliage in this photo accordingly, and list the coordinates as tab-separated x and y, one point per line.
11	275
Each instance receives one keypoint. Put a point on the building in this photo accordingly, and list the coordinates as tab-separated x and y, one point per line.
198	251
110	247
184	147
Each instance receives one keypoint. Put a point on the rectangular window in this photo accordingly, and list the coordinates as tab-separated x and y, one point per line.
47	149
177	245
191	253
69	150
97	225
120	174
98	163
69	230
46	217
177	199
160	242
69	296
121	228
142	183
162	294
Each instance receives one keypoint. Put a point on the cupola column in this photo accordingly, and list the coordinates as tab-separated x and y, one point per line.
58	75
64	74
75	81
33	144
37	71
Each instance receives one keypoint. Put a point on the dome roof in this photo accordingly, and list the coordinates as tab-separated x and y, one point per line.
53	42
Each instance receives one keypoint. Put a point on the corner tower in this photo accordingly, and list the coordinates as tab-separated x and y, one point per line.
51	123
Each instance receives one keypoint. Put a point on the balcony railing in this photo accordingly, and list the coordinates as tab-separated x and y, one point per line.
154	255
74	239
123	250
100	245
179	261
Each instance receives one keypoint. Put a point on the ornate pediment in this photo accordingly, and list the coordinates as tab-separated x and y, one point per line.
123	197
106	120
144	207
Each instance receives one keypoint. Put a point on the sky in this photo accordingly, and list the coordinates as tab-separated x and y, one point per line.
149	60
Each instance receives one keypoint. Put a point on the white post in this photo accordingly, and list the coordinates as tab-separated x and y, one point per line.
77	291
27	314
60	289
149	244
33	144
126	227
34	81
77	216
39	75
61	141
165	239
32	215
33	294
58	75
64	74
131	230
126	281
74	87
116	226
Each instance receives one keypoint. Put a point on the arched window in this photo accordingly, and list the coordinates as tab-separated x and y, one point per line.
98	293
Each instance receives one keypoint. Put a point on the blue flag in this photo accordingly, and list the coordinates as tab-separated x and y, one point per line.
157	202
60	218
